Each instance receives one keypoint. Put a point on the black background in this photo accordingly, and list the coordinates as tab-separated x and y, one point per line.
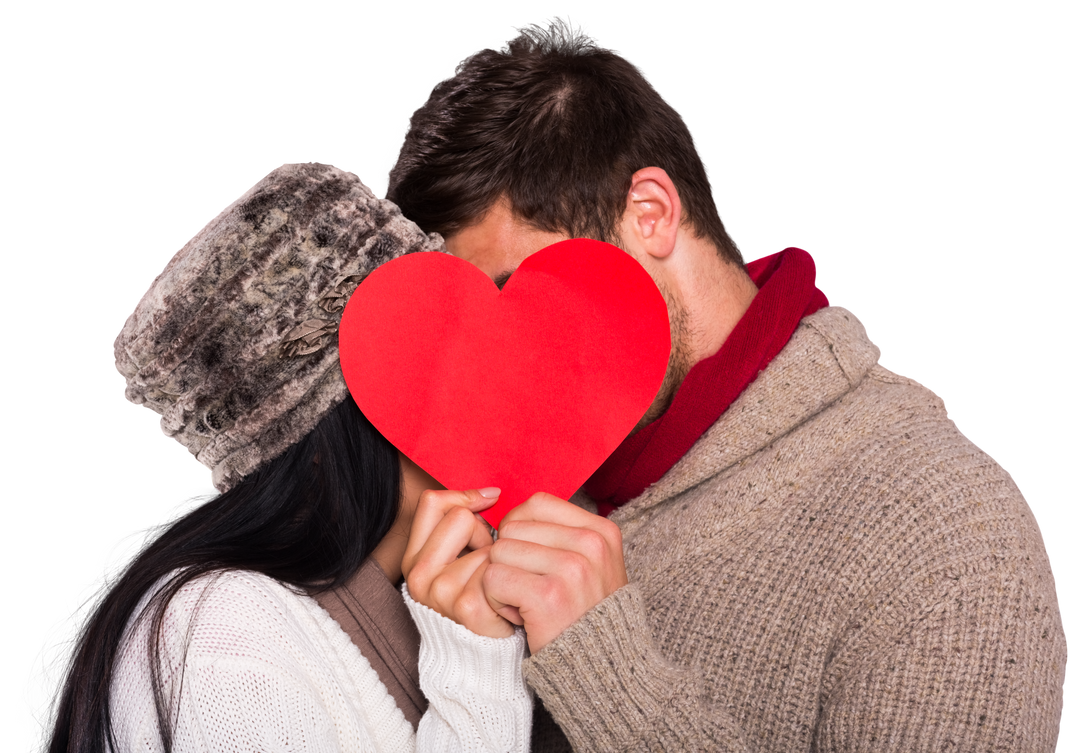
904	156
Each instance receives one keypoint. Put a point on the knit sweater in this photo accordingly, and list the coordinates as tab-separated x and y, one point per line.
250	664
832	567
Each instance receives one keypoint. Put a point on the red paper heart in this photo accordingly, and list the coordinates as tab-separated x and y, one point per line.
528	389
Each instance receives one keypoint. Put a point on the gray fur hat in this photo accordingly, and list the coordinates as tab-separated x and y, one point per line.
235	343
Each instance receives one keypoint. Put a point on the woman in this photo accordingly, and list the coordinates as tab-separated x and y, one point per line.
210	639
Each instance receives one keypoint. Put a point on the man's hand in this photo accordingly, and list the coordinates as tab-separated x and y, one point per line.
553	562
439	575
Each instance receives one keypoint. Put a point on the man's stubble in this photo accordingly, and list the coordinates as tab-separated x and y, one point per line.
678	362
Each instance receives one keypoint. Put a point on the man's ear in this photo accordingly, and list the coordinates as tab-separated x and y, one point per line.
653	212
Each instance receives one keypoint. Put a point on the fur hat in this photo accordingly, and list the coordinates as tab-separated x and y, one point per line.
235	343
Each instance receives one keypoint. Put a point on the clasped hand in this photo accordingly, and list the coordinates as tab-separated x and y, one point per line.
552	563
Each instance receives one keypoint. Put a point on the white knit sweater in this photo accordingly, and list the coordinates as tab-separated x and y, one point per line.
249	664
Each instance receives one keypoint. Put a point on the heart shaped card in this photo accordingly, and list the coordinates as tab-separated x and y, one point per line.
529	388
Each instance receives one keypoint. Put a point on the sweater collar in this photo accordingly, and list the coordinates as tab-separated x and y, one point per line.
786	294
828	355
370	610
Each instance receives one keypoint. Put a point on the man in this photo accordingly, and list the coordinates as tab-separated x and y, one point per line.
802	553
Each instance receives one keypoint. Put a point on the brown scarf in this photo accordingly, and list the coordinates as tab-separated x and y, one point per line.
371	610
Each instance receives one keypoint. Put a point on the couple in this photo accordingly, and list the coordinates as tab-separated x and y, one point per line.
815	558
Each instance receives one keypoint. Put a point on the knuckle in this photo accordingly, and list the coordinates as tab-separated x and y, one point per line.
442	592
460	516
611	532
417	582
577	568
471	606
428	498
593	545
553	594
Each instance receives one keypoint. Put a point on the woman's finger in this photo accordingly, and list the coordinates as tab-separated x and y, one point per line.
447	586
432	508
457	593
443	546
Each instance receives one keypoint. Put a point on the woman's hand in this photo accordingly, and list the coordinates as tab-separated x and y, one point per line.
447	555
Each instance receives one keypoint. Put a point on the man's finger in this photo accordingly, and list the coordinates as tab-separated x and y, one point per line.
473	607
537	558
587	542
547	508
510	614
504	585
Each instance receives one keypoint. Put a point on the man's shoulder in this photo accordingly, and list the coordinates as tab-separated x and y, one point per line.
823	402
834	331
874	401
842	444
890	436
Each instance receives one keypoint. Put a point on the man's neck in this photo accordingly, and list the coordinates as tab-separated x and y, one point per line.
720	301
707	297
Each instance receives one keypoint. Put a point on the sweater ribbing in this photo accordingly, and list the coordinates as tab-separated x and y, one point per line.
250	664
832	567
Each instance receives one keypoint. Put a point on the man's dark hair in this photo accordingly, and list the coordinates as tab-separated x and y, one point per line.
556	125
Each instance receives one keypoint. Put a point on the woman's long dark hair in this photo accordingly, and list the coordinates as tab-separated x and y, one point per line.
308	518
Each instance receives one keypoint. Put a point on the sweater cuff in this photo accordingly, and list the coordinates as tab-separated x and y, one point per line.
454	658
603	680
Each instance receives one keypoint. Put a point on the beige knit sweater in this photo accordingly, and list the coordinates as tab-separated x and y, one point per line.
832	567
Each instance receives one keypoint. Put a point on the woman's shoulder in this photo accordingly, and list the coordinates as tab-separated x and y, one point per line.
232	616
236	596
236	638
233	644
220	585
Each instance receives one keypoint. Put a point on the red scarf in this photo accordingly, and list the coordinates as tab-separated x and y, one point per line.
786	293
